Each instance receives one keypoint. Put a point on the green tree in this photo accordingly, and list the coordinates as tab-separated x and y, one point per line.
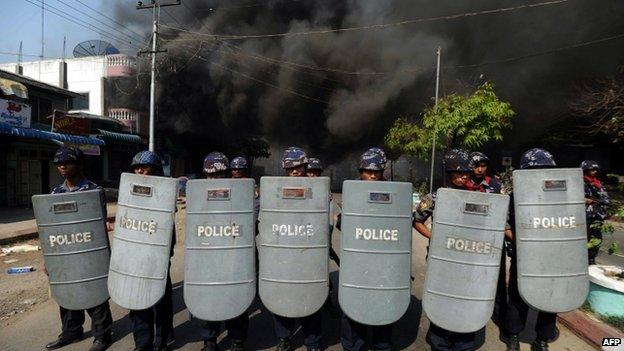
457	121
252	148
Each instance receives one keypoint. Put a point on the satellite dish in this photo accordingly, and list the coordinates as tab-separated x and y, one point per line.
94	48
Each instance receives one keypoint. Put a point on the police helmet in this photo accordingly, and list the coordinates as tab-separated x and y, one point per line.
239	163
216	162
457	160
536	158
293	157
314	164
146	158
373	159
478	157
589	165
68	155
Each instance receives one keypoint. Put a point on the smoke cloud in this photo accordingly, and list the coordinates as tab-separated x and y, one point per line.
339	92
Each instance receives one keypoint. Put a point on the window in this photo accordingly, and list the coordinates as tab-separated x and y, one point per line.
81	102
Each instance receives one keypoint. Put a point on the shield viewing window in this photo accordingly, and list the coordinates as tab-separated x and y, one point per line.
294	193
480	209
379	197
220	194
554	185
141	190
65	207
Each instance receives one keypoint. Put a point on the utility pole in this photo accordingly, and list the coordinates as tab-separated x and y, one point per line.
42	30
155	6
435	132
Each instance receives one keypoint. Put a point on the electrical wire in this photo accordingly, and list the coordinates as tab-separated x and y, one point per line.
112	19
91	27
373	26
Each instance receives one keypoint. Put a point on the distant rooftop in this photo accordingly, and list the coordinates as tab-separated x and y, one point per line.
29	82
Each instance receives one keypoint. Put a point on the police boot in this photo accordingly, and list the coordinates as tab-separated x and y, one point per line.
513	343
284	345
210	346
63	341
99	345
539	345
237	345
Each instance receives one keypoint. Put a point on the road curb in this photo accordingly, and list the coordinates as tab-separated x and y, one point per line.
588	327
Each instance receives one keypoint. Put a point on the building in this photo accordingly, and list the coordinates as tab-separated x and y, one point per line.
96	79
33	125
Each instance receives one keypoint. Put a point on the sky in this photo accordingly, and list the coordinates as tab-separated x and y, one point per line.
23	20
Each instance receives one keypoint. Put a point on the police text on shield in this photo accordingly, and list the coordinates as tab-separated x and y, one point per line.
68	239
218	230
471	246
377	234
293	229
138	225
554	222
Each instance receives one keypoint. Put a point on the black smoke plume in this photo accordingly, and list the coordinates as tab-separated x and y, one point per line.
338	92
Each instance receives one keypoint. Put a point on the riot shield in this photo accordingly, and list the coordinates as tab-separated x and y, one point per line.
464	258
72	232
219	261
293	244
551	238
144	225
375	251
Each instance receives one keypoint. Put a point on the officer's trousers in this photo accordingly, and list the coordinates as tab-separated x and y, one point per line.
153	327
101	322
441	339
310	326
517	311
500	302
353	335
236	328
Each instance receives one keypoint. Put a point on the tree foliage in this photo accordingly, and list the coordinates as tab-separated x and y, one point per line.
457	121
601	106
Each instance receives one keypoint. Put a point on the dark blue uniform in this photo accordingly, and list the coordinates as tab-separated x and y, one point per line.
595	213
101	318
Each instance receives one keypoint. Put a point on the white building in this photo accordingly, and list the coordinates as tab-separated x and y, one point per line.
87	76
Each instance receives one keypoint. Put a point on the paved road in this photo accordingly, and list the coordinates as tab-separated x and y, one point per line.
34	329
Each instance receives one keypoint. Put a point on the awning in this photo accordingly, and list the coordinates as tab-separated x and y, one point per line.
41	134
123	137
11	87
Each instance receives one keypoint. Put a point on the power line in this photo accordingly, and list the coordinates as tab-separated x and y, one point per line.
263	82
112	19
101	32
98	20
374	26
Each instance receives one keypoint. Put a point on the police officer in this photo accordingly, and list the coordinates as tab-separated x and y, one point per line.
294	163
152	328
315	168
517	309
597	203
239	167
480	179
69	163
458	171
353	334
217	166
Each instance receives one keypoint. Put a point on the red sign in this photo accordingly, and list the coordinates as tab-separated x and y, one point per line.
69	124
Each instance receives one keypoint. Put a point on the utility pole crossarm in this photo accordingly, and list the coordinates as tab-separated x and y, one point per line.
141	6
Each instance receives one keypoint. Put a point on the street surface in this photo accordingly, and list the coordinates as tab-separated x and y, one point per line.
29	318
